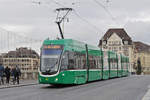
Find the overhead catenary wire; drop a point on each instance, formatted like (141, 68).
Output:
(100, 4)
(108, 12)
(14, 33)
(56, 2)
(86, 21)
(83, 19)
(53, 1)
(11, 40)
(79, 16)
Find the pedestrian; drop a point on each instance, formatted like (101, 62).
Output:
(13, 73)
(16, 73)
(1, 74)
(7, 73)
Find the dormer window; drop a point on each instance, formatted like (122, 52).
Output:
(104, 42)
(109, 42)
(126, 42)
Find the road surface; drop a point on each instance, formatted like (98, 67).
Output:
(126, 88)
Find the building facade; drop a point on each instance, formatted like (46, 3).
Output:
(26, 59)
(118, 40)
(1, 60)
(142, 53)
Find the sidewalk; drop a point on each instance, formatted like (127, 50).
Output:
(147, 95)
(22, 83)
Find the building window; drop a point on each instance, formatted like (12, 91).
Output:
(125, 42)
(115, 48)
(109, 48)
(104, 42)
(105, 47)
(119, 48)
(116, 42)
(125, 48)
(109, 42)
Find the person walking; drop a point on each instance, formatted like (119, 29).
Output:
(7, 73)
(1, 74)
(16, 73)
(13, 73)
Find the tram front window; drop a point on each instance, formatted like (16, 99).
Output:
(50, 60)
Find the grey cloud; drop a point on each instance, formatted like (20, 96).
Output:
(139, 31)
(41, 18)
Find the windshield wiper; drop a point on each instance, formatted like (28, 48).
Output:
(49, 69)
(55, 64)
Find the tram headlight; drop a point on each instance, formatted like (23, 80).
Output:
(56, 79)
(63, 74)
(46, 79)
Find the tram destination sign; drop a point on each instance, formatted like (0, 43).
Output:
(52, 46)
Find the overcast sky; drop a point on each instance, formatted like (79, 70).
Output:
(94, 18)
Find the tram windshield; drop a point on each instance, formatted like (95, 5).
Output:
(50, 56)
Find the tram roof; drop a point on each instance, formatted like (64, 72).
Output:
(73, 45)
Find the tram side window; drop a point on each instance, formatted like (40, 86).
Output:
(71, 62)
(98, 62)
(115, 63)
(79, 60)
(82, 61)
(95, 62)
(128, 65)
(92, 62)
(64, 62)
(100, 59)
(112, 63)
(124, 65)
(76, 60)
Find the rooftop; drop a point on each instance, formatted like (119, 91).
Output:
(141, 47)
(22, 52)
(120, 32)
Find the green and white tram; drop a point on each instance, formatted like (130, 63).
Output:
(68, 61)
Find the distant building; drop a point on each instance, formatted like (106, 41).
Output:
(142, 53)
(1, 57)
(1, 60)
(26, 59)
(119, 41)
